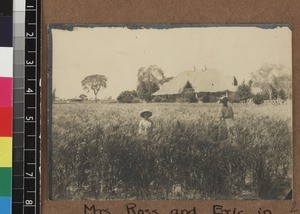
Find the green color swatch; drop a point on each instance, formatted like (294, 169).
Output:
(5, 181)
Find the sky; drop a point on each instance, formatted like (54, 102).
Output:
(118, 53)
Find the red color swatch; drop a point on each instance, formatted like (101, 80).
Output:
(5, 121)
(6, 91)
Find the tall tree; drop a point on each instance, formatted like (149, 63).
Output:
(95, 83)
(264, 78)
(149, 81)
(153, 73)
(273, 80)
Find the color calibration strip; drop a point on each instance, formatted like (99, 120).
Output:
(6, 104)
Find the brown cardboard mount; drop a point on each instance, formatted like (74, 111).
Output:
(169, 12)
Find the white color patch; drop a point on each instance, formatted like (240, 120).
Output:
(19, 5)
(6, 62)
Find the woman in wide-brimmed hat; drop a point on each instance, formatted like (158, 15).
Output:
(145, 125)
(227, 115)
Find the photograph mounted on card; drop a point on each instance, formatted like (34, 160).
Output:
(170, 112)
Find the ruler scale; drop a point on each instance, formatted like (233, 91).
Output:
(26, 115)
(18, 115)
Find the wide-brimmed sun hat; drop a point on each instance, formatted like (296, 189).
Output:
(223, 99)
(146, 112)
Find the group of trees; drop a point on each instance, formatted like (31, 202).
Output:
(149, 80)
(273, 82)
(90, 83)
(271, 79)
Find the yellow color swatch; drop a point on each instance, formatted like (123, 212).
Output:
(5, 152)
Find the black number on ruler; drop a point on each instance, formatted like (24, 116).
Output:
(29, 174)
(30, 58)
(29, 118)
(29, 62)
(29, 167)
(29, 198)
(29, 90)
(30, 31)
(31, 34)
(29, 115)
(28, 202)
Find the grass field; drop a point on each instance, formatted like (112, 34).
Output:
(98, 154)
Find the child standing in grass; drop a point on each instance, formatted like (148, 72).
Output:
(227, 115)
(145, 125)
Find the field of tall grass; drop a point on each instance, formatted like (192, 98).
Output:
(98, 154)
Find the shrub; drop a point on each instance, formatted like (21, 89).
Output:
(214, 99)
(159, 99)
(243, 92)
(258, 99)
(206, 98)
(136, 100)
(210, 98)
(282, 95)
(127, 97)
(233, 98)
(188, 96)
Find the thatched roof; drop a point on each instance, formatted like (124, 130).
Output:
(209, 80)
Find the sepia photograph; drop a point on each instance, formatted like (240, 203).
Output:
(170, 112)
